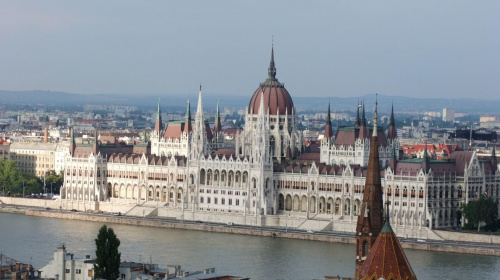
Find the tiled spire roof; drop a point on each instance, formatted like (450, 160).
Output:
(370, 221)
(386, 259)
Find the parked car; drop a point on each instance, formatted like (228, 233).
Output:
(420, 240)
(230, 224)
(199, 222)
(117, 213)
(309, 231)
(74, 210)
(48, 208)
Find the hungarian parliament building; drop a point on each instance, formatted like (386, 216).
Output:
(266, 175)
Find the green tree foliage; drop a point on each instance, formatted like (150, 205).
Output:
(482, 210)
(107, 256)
(12, 179)
(55, 180)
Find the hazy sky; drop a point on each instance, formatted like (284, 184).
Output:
(322, 48)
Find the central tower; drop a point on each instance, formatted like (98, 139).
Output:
(284, 139)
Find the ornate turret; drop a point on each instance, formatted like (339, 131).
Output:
(358, 121)
(363, 132)
(425, 162)
(187, 124)
(217, 125)
(371, 219)
(159, 123)
(95, 146)
(391, 132)
(199, 138)
(386, 259)
(328, 127)
(394, 158)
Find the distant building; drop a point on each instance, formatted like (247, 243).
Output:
(271, 174)
(448, 114)
(33, 157)
(4, 149)
(15, 270)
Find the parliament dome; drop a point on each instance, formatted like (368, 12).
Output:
(277, 100)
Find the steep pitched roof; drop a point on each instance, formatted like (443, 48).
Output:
(386, 259)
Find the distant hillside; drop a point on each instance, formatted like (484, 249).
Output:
(319, 104)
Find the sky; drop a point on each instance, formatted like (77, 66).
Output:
(322, 48)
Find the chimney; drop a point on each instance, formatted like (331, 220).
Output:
(45, 135)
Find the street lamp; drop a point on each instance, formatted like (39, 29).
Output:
(23, 189)
(51, 193)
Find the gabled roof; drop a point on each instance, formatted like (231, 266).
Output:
(462, 159)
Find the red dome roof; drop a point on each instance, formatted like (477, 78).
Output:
(277, 100)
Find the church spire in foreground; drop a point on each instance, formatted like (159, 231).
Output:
(370, 220)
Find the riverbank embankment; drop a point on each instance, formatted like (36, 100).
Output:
(463, 247)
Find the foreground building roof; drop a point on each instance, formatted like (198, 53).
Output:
(386, 259)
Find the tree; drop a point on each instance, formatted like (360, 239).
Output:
(107, 264)
(482, 210)
(12, 178)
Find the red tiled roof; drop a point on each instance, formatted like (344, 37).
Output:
(277, 100)
(386, 259)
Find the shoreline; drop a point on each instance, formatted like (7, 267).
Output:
(486, 249)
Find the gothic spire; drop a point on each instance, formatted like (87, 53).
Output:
(358, 121)
(217, 125)
(391, 121)
(369, 225)
(199, 109)
(187, 124)
(272, 69)
(159, 123)
(328, 127)
(363, 119)
(375, 117)
(391, 132)
(188, 110)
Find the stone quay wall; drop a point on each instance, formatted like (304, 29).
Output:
(235, 230)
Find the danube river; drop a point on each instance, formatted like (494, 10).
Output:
(34, 239)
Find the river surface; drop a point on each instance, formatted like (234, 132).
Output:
(34, 239)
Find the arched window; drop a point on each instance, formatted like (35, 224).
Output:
(365, 249)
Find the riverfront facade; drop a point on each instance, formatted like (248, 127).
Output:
(267, 173)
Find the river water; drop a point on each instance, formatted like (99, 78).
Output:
(34, 239)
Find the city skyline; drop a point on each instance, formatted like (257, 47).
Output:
(430, 49)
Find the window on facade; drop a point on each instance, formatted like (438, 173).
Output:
(365, 248)
(90, 273)
(78, 271)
